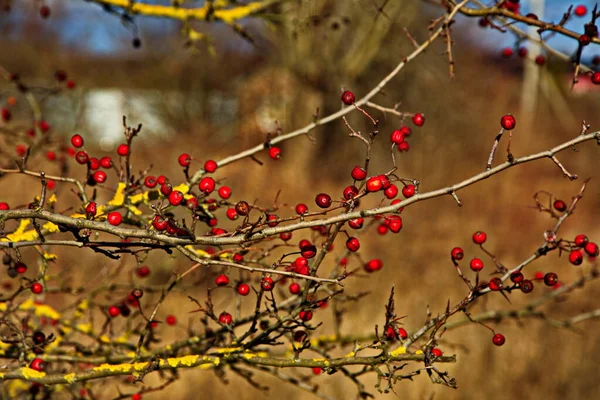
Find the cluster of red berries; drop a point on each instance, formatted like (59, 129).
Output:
(582, 246)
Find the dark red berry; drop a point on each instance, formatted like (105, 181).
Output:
(526, 286)
(242, 208)
(323, 200)
(142, 271)
(550, 279)
(540, 60)
(44, 12)
(82, 157)
(592, 249)
(348, 98)
(356, 223)
(267, 284)
(517, 277)
(352, 244)
(91, 209)
(38, 337)
(498, 339)
(560, 205)
(305, 315)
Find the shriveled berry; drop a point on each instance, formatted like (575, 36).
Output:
(508, 122)
(242, 208)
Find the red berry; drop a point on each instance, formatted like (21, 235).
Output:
(317, 371)
(267, 284)
(580, 10)
(457, 253)
(114, 218)
(231, 214)
(404, 146)
(382, 229)
(4, 206)
(350, 192)
(479, 237)
(210, 166)
(560, 205)
(100, 176)
(540, 60)
(37, 288)
(225, 318)
(159, 223)
(21, 267)
(106, 162)
(272, 220)
(584, 40)
(44, 12)
(285, 236)
(385, 182)
(94, 163)
(592, 249)
(476, 264)
(418, 119)
(301, 209)
(295, 288)
(308, 251)
(150, 181)
(358, 173)
(50, 155)
(507, 52)
(6, 114)
(498, 339)
(91, 209)
(123, 150)
(37, 364)
(207, 185)
(175, 198)
(397, 137)
(323, 200)
(225, 192)
(596, 78)
(136, 396)
(517, 277)
(374, 265)
(44, 126)
(82, 157)
(391, 191)
(305, 315)
(374, 184)
(408, 191)
(184, 160)
(38, 337)
(495, 284)
(526, 286)
(77, 141)
(356, 223)
(166, 189)
(437, 352)
(161, 180)
(142, 271)
(275, 153)
(21, 149)
(348, 98)
(550, 279)
(243, 289)
(402, 333)
(170, 320)
(114, 311)
(523, 52)
(71, 84)
(508, 122)
(353, 244)
(395, 223)
(576, 257)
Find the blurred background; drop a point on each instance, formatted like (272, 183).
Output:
(213, 105)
